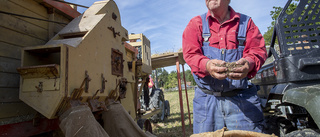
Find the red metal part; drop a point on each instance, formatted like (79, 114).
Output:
(180, 96)
(131, 48)
(65, 8)
(185, 88)
(27, 128)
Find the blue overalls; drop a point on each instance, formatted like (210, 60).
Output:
(212, 112)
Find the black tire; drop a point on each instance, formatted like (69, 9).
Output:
(303, 133)
(167, 108)
(156, 98)
(157, 102)
(145, 125)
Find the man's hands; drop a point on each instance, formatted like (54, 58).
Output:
(217, 70)
(240, 72)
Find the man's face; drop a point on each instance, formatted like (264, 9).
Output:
(214, 5)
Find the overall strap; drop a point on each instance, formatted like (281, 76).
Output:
(244, 19)
(205, 29)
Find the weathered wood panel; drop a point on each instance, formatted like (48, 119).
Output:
(11, 7)
(15, 109)
(33, 6)
(24, 27)
(16, 38)
(9, 95)
(8, 65)
(9, 80)
(59, 18)
(11, 51)
(15, 34)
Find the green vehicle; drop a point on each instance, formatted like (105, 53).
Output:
(290, 84)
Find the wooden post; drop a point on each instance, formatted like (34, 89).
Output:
(185, 88)
(180, 96)
(51, 24)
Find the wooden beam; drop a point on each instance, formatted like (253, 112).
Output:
(11, 37)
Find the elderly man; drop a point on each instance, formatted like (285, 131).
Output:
(224, 96)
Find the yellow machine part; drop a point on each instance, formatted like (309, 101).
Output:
(86, 60)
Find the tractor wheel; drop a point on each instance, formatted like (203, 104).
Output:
(303, 133)
(157, 102)
(167, 108)
(145, 125)
(156, 98)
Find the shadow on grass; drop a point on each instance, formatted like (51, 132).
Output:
(176, 131)
(177, 117)
(172, 127)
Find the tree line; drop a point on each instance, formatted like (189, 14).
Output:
(168, 80)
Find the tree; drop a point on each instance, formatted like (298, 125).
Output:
(274, 15)
(172, 80)
(189, 77)
(162, 76)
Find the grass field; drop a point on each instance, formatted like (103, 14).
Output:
(172, 126)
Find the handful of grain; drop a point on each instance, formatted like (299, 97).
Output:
(229, 66)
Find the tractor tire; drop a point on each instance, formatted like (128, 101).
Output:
(156, 99)
(157, 102)
(167, 108)
(303, 133)
(145, 125)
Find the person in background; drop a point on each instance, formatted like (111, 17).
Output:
(146, 93)
(224, 96)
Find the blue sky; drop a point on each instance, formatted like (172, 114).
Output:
(163, 21)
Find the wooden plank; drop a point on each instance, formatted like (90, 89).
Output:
(8, 6)
(32, 6)
(11, 51)
(24, 27)
(9, 80)
(9, 95)
(9, 65)
(40, 71)
(60, 18)
(57, 28)
(15, 109)
(16, 38)
(29, 85)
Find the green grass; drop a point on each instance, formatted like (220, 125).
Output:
(172, 126)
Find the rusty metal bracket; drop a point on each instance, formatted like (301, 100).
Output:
(117, 62)
(39, 87)
(97, 105)
(114, 32)
(123, 88)
(103, 83)
(86, 80)
(121, 93)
